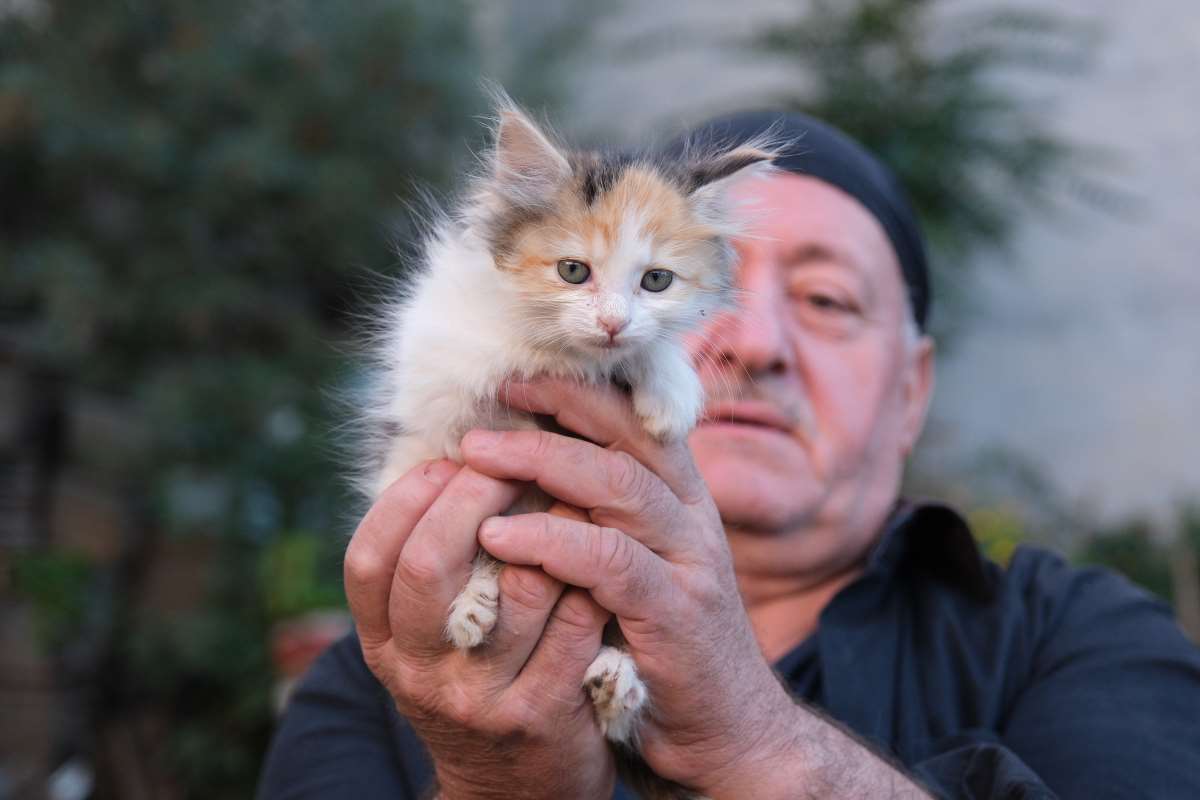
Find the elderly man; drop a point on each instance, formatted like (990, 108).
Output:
(803, 631)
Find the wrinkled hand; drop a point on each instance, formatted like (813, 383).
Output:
(653, 552)
(509, 718)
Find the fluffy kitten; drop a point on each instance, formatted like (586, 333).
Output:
(560, 263)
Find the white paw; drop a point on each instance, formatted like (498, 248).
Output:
(668, 417)
(617, 693)
(473, 612)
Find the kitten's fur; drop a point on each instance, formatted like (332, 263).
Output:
(489, 303)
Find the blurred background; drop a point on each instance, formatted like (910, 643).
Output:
(199, 203)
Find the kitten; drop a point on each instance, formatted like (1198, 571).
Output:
(556, 263)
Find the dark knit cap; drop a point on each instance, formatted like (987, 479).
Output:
(818, 149)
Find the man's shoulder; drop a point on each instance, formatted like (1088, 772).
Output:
(1040, 611)
(1047, 583)
(341, 667)
(341, 736)
(339, 678)
(1069, 609)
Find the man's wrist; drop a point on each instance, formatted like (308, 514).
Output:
(806, 752)
(770, 763)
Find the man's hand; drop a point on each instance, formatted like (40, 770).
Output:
(509, 718)
(653, 552)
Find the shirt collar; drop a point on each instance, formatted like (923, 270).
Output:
(934, 538)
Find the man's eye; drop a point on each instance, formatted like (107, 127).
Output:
(825, 302)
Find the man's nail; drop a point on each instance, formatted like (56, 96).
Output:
(439, 471)
(493, 528)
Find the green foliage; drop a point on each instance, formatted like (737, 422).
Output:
(998, 530)
(1189, 525)
(926, 90)
(205, 188)
(1137, 549)
(1134, 548)
(1131, 549)
(299, 572)
(57, 583)
(196, 199)
(209, 674)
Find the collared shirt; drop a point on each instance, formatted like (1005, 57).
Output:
(1039, 680)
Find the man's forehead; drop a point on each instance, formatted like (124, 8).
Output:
(803, 220)
(805, 251)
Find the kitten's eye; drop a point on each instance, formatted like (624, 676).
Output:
(573, 271)
(655, 280)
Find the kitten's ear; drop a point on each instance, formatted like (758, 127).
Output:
(527, 167)
(729, 165)
(710, 177)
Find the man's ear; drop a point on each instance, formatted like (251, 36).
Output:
(526, 165)
(918, 392)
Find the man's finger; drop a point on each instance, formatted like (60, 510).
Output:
(604, 414)
(527, 597)
(436, 560)
(371, 556)
(613, 487)
(622, 574)
(553, 675)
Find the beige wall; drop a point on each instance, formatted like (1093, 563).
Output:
(1087, 359)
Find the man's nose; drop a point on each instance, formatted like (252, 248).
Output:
(755, 334)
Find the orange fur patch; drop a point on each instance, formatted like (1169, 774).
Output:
(590, 232)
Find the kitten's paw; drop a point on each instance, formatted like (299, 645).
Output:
(667, 418)
(617, 693)
(472, 615)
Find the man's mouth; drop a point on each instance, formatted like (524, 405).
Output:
(753, 413)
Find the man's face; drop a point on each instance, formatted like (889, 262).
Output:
(817, 390)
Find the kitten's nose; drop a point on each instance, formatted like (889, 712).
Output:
(612, 326)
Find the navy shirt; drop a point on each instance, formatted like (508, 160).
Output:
(1040, 680)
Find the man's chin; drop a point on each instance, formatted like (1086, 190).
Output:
(759, 480)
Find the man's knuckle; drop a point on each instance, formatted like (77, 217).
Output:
(616, 551)
(378, 660)
(421, 570)
(475, 487)
(546, 526)
(576, 615)
(623, 564)
(521, 719)
(626, 476)
(415, 690)
(542, 445)
(461, 709)
(525, 587)
(361, 565)
(707, 593)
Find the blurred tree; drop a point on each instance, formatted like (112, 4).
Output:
(1164, 561)
(925, 88)
(1185, 569)
(193, 199)
(999, 531)
(1131, 548)
(195, 193)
